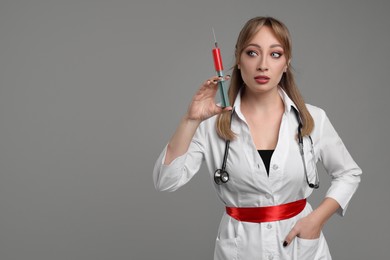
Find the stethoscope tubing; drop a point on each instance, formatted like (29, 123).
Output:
(222, 176)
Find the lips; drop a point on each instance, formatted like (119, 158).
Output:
(262, 79)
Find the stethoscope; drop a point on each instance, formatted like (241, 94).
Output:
(222, 176)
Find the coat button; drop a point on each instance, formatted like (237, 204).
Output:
(275, 167)
(269, 226)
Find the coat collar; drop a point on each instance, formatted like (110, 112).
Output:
(288, 103)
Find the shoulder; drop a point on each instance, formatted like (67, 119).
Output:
(207, 126)
(317, 113)
(319, 116)
(209, 122)
(206, 133)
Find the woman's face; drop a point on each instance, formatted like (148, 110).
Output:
(262, 62)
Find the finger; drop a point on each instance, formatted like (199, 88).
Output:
(214, 79)
(219, 109)
(226, 109)
(211, 83)
(293, 233)
(217, 79)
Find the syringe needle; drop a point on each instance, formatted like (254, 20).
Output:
(215, 39)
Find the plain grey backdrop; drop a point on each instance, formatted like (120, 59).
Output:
(91, 91)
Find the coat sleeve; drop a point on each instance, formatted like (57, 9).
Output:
(183, 168)
(338, 163)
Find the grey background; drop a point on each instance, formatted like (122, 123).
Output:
(91, 91)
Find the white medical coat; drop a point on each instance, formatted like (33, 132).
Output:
(249, 185)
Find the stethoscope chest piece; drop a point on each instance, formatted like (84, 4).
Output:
(221, 176)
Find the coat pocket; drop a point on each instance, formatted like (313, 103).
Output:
(225, 249)
(307, 248)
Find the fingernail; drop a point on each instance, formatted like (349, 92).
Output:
(285, 243)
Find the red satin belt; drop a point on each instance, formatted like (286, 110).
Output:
(267, 214)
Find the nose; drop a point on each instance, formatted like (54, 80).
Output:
(262, 65)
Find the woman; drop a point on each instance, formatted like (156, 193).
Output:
(267, 216)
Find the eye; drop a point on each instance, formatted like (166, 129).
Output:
(251, 53)
(276, 55)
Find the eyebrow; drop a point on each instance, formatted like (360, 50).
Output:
(258, 46)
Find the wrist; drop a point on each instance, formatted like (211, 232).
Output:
(319, 219)
(326, 209)
(190, 121)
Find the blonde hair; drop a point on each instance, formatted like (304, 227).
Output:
(287, 82)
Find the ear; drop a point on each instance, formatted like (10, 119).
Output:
(238, 66)
(288, 64)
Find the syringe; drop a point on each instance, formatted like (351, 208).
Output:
(219, 69)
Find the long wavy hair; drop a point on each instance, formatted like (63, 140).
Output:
(287, 82)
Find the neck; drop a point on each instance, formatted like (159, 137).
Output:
(263, 102)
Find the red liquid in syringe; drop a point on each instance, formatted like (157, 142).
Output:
(218, 60)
